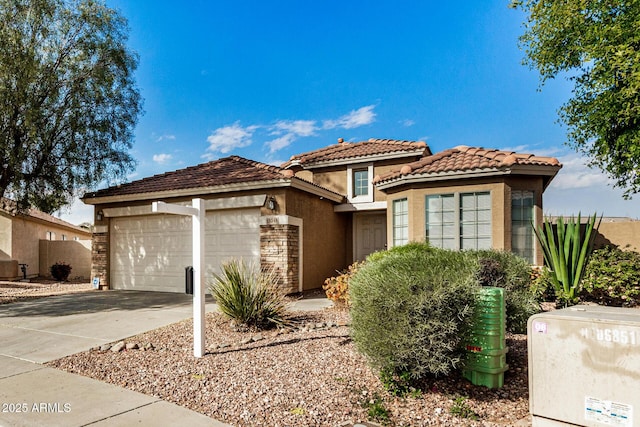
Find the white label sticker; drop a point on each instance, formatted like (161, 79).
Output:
(540, 327)
(607, 412)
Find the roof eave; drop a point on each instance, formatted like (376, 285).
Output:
(545, 171)
(226, 188)
(359, 159)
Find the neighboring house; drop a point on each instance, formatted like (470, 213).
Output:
(320, 211)
(35, 239)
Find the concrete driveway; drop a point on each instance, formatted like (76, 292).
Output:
(37, 331)
(49, 328)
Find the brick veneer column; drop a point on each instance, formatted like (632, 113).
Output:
(279, 250)
(99, 261)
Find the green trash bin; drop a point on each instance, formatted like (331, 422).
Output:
(486, 360)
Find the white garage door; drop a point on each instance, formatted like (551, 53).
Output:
(151, 252)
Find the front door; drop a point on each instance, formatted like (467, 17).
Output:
(370, 233)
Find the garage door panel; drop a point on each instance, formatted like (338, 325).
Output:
(151, 252)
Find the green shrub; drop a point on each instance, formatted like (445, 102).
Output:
(612, 277)
(60, 271)
(248, 295)
(411, 307)
(513, 273)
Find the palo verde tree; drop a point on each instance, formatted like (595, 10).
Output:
(68, 99)
(596, 44)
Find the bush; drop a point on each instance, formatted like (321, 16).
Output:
(337, 288)
(248, 295)
(60, 271)
(411, 308)
(513, 273)
(612, 278)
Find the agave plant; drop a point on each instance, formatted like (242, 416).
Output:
(566, 253)
(250, 296)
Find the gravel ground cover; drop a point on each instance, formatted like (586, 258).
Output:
(20, 291)
(308, 377)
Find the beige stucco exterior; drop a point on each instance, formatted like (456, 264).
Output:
(20, 237)
(500, 189)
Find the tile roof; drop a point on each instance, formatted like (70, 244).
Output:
(225, 171)
(467, 159)
(9, 207)
(346, 150)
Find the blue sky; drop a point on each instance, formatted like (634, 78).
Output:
(269, 79)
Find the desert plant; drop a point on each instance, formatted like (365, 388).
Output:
(411, 309)
(566, 253)
(248, 295)
(461, 409)
(60, 271)
(612, 277)
(513, 273)
(337, 288)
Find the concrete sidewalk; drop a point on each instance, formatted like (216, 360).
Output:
(38, 331)
(41, 330)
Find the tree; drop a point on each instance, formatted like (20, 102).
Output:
(68, 100)
(595, 44)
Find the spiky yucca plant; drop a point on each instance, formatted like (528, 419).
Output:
(566, 253)
(248, 295)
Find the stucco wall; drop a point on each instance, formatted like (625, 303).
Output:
(623, 233)
(500, 189)
(5, 237)
(75, 253)
(324, 236)
(26, 235)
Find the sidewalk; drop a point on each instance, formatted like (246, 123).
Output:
(34, 332)
(35, 395)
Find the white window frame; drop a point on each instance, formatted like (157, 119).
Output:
(534, 248)
(457, 225)
(366, 198)
(395, 240)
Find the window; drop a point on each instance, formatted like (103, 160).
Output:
(441, 221)
(459, 220)
(51, 235)
(360, 182)
(522, 214)
(400, 222)
(475, 221)
(64, 237)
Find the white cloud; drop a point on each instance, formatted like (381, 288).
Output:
(162, 158)
(280, 143)
(360, 117)
(166, 137)
(228, 138)
(296, 127)
(576, 174)
(407, 122)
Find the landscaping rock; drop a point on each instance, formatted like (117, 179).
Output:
(131, 346)
(118, 347)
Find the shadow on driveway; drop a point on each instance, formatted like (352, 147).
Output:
(97, 301)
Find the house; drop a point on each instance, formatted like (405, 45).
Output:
(320, 211)
(37, 240)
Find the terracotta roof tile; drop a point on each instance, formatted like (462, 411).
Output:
(467, 159)
(9, 206)
(354, 150)
(225, 171)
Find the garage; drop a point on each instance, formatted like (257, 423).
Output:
(150, 252)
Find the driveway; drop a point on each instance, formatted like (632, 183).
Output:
(49, 328)
(37, 331)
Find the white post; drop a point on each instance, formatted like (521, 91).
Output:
(198, 278)
(198, 213)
